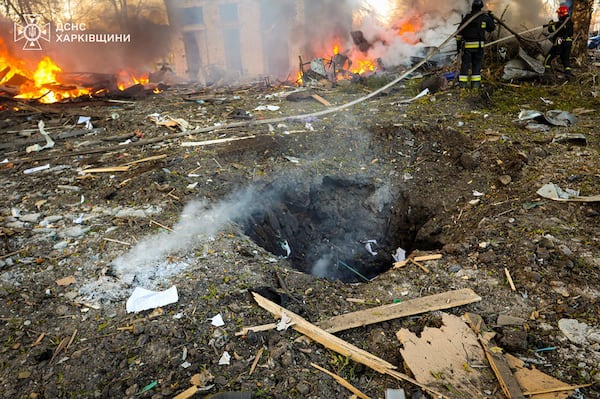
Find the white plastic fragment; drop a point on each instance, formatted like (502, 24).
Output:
(286, 247)
(225, 359)
(217, 320)
(36, 169)
(267, 108)
(369, 246)
(284, 323)
(49, 141)
(400, 255)
(143, 299)
(85, 120)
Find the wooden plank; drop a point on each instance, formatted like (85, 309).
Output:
(107, 169)
(508, 383)
(558, 389)
(147, 159)
(324, 338)
(321, 100)
(340, 346)
(417, 259)
(392, 311)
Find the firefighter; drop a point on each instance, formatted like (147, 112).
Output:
(562, 40)
(471, 41)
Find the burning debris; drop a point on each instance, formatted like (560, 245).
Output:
(44, 81)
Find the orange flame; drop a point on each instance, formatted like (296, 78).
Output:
(362, 66)
(127, 79)
(409, 27)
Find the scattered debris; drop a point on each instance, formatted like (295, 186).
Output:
(342, 347)
(554, 192)
(573, 138)
(579, 333)
(36, 169)
(402, 263)
(552, 118)
(534, 382)
(509, 279)
(225, 359)
(66, 281)
(217, 320)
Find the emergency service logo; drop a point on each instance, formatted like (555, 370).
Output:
(32, 32)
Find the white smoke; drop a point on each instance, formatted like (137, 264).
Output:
(408, 28)
(198, 224)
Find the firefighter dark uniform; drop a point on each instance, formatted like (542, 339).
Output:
(471, 41)
(562, 40)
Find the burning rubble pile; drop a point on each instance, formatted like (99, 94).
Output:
(45, 81)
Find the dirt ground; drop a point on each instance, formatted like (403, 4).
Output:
(462, 178)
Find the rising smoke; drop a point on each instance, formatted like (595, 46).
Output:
(406, 30)
(198, 224)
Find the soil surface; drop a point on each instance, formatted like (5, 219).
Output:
(452, 173)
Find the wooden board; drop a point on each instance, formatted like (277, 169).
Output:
(442, 358)
(392, 311)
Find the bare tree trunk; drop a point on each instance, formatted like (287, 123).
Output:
(120, 7)
(582, 16)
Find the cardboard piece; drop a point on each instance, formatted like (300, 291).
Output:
(441, 358)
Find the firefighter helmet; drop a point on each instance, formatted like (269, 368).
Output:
(563, 11)
(477, 5)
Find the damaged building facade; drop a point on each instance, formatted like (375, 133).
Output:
(244, 39)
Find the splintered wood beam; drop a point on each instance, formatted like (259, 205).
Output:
(339, 345)
(508, 383)
(417, 259)
(107, 169)
(321, 100)
(324, 338)
(342, 382)
(392, 311)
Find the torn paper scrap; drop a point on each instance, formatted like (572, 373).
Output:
(143, 299)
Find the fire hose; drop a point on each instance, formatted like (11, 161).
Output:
(432, 52)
